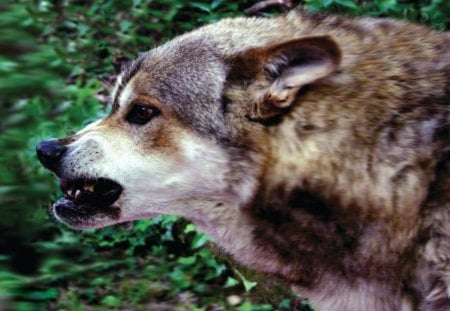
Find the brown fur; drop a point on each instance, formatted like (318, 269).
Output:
(349, 166)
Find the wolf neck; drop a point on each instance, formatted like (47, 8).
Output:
(282, 232)
(305, 248)
(229, 227)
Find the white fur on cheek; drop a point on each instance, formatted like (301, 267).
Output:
(206, 166)
(210, 171)
(166, 184)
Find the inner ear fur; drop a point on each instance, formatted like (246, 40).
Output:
(287, 67)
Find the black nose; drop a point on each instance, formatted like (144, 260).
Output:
(49, 152)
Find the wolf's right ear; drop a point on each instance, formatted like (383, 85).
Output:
(283, 69)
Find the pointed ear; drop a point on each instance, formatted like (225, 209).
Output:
(287, 67)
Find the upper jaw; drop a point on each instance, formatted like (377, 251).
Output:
(88, 202)
(91, 191)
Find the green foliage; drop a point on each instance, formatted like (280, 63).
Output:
(95, 39)
(436, 13)
(58, 59)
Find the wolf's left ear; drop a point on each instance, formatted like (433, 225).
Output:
(287, 67)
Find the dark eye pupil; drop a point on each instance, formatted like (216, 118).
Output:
(141, 114)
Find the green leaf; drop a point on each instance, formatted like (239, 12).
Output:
(199, 240)
(47, 294)
(202, 6)
(111, 301)
(220, 269)
(347, 3)
(125, 25)
(187, 260)
(216, 3)
(100, 281)
(189, 228)
(285, 304)
(246, 306)
(248, 285)
(142, 225)
(179, 279)
(231, 282)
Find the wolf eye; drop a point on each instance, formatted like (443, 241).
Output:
(141, 114)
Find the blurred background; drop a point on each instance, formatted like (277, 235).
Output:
(58, 62)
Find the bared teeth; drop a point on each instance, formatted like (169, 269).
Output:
(90, 192)
(76, 189)
(76, 192)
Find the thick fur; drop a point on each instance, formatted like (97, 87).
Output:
(311, 147)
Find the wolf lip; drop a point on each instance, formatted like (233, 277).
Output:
(101, 192)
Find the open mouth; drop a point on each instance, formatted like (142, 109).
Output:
(87, 200)
(99, 192)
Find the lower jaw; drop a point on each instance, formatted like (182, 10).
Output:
(84, 216)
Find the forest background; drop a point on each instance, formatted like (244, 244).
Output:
(58, 61)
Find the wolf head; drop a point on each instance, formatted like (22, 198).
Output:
(188, 127)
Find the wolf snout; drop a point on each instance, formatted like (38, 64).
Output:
(50, 152)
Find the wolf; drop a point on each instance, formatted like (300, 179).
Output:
(311, 147)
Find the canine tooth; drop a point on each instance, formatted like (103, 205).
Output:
(89, 188)
(77, 193)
